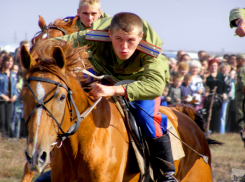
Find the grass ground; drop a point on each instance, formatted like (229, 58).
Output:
(224, 158)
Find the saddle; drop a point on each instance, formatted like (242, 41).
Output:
(127, 111)
(137, 140)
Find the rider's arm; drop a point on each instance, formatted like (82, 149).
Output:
(77, 38)
(153, 80)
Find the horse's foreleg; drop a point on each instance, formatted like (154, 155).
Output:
(28, 174)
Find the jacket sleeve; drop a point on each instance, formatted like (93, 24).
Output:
(152, 83)
(235, 14)
(77, 39)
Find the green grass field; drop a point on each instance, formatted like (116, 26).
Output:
(224, 158)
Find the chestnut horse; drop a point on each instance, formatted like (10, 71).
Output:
(56, 29)
(100, 149)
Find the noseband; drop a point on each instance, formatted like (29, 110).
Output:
(41, 104)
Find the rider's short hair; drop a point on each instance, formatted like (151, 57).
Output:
(126, 22)
(95, 3)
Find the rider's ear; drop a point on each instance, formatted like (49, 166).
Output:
(59, 57)
(26, 59)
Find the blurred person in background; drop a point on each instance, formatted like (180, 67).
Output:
(179, 54)
(183, 69)
(2, 54)
(216, 79)
(8, 93)
(232, 61)
(204, 73)
(172, 66)
(17, 56)
(204, 70)
(218, 59)
(17, 108)
(239, 95)
(237, 19)
(186, 92)
(225, 69)
(163, 97)
(226, 57)
(196, 83)
(174, 93)
(200, 54)
(185, 58)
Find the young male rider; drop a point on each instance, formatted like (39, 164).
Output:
(120, 52)
(87, 12)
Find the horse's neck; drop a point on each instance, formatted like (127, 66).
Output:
(79, 95)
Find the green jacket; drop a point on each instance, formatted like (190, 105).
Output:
(150, 73)
(82, 27)
(235, 14)
(240, 80)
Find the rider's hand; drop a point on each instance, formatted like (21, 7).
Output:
(106, 91)
(240, 31)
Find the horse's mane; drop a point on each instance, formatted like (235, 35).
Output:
(69, 26)
(191, 112)
(76, 58)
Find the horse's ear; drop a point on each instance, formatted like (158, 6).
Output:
(41, 22)
(59, 57)
(26, 59)
(74, 21)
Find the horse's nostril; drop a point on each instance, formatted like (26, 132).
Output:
(42, 158)
(28, 158)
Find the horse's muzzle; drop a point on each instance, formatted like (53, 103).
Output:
(38, 161)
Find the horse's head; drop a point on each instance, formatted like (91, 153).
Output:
(57, 29)
(47, 98)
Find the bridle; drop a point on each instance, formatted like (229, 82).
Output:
(46, 28)
(41, 104)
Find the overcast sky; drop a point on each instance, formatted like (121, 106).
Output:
(181, 24)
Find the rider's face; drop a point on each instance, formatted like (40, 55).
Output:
(88, 14)
(125, 43)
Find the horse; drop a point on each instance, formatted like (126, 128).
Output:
(99, 149)
(57, 29)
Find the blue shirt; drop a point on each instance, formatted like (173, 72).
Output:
(4, 80)
(163, 101)
(185, 90)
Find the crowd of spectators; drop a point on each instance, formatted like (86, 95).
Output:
(207, 84)
(191, 82)
(12, 125)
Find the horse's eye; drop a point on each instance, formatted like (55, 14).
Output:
(62, 97)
